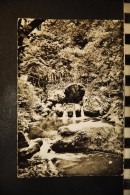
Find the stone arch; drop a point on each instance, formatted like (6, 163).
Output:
(74, 93)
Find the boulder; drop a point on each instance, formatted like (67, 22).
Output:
(22, 142)
(65, 131)
(95, 105)
(35, 130)
(28, 152)
(39, 141)
(115, 113)
(87, 136)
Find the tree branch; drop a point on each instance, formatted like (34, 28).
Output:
(24, 32)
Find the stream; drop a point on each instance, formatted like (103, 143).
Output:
(77, 164)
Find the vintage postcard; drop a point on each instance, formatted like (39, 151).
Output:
(70, 97)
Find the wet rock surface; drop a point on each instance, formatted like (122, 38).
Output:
(86, 136)
(88, 147)
(27, 152)
(22, 142)
(35, 131)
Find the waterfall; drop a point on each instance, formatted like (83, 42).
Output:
(82, 112)
(74, 114)
(65, 116)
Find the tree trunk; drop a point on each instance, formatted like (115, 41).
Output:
(24, 32)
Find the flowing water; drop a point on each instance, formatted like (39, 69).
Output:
(71, 164)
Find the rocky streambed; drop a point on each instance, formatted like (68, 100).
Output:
(75, 148)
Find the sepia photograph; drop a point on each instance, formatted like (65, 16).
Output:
(70, 116)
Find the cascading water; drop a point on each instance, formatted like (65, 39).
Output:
(74, 114)
(65, 116)
(82, 112)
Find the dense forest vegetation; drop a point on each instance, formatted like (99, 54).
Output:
(54, 53)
